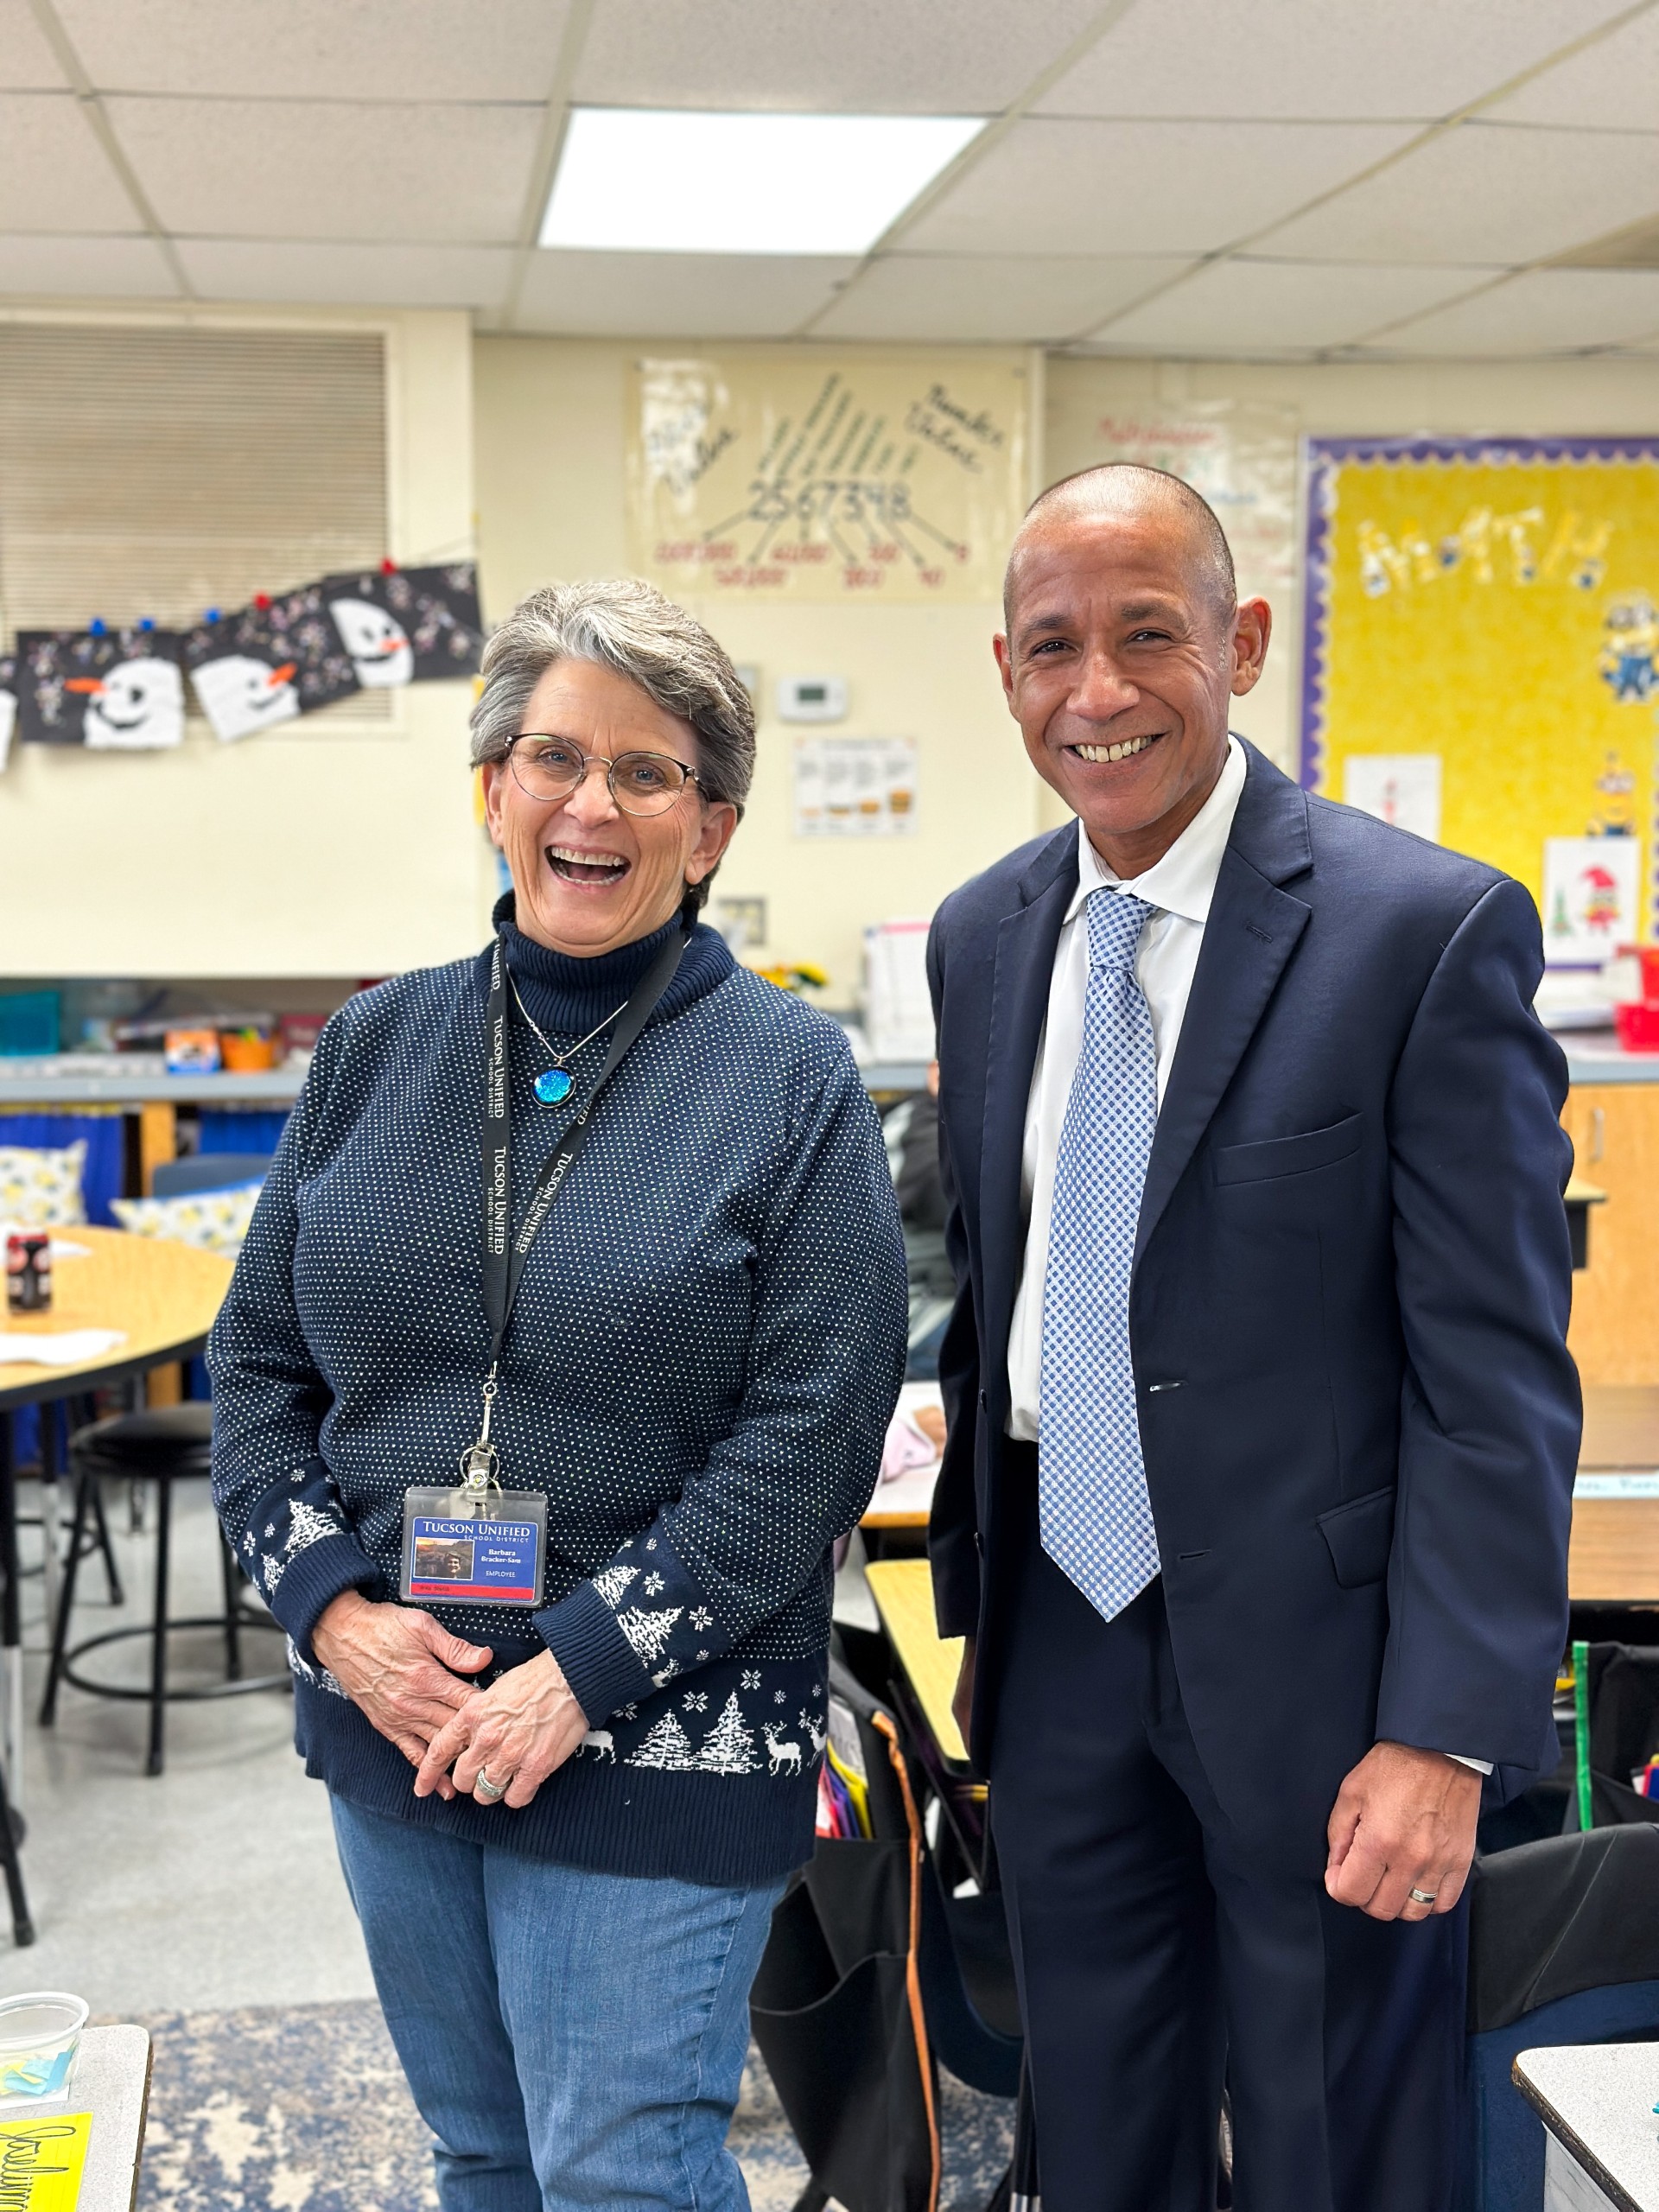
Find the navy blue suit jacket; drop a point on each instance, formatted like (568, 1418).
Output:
(1349, 1308)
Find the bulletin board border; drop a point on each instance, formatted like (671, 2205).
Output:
(1324, 456)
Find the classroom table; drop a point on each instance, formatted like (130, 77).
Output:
(110, 2085)
(1615, 1555)
(1602, 2145)
(164, 1295)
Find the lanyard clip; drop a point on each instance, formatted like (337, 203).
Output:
(480, 1462)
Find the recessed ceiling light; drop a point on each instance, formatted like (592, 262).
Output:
(678, 181)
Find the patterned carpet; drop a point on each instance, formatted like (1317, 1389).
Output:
(303, 2109)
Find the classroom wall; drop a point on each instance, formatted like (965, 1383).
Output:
(550, 503)
(1588, 396)
(326, 847)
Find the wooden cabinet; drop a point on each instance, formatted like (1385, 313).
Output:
(1615, 1132)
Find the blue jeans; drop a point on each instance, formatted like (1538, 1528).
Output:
(571, 2038)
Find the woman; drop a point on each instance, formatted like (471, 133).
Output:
(510, 1264)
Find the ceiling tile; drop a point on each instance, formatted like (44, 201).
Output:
(53, 174)
(348, 276)
(1142, 188)
(292, 169)
(944, 57)
(1256, 307)
(1314, 58)
(989, 298)
(675, 294)
(1483, 193)
(355, 49)
(26, 62)
(1543, 311)
(1611, 86)
(78, 267)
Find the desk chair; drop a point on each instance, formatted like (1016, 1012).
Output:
(1563, 1949)
(207, 1171)
(167, 1445)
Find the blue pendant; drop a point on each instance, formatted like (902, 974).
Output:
(553, 1086)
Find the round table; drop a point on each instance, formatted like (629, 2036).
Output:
(163, 1296)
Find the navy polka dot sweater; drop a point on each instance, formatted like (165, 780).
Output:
(707, 1344)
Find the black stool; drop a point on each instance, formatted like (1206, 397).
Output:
(163, 1446)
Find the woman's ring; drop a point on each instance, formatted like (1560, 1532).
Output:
(490, 1791)
(1417, 1896)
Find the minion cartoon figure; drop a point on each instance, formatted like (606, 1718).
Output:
(1629, 661)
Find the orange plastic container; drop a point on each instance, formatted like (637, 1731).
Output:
(247, 1051)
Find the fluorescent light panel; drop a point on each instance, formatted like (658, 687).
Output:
(680, 181)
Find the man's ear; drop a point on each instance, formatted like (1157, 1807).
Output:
(1004, 666)
(1252, 628)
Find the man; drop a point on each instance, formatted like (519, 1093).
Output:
(1254, 1510)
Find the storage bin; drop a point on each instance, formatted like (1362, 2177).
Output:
(28, 1024)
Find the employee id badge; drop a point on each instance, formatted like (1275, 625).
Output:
(464, 1548)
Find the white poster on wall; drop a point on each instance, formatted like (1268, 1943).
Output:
(855, 786)
(1592, 898)
(1241, 454)
(1403, 788)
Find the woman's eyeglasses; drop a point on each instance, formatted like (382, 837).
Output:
(552, 768)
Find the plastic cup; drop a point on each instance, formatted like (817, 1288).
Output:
(40, 2035)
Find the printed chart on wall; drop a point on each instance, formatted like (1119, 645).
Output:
(1482, 661)
(889, 476)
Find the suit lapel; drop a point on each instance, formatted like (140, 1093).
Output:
(1252, 931)
(1026, 943)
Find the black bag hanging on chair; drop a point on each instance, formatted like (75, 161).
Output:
(837, 2007)
(1616, 1697)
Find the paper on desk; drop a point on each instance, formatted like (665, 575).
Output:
(65, 1348)
(61, 1248)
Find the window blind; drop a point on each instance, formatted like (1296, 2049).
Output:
(162, 472)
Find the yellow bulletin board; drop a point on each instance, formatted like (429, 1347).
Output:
(845, 476)
(1481, 660)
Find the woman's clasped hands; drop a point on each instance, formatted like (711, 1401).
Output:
(406, 1672)
(512, 1735)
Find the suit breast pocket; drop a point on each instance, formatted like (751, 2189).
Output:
(1297, 1155)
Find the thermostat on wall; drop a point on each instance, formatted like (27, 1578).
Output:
(811, 698)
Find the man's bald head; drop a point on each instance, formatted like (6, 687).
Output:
(1128, 487)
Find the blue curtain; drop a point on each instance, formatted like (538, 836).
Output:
(230, 1128)
(100, 1181)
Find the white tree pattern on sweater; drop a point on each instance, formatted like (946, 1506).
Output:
(728, 1748)
(648, 1632)
(612, 1582)
(666, 1745)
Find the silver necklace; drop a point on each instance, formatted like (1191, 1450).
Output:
(555, 1085)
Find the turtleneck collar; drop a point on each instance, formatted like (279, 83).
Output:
(564, 994)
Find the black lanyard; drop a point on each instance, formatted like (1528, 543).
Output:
(504, 1253)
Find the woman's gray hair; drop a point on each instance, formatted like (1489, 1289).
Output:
(627, 625)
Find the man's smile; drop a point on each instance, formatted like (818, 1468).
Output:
(1124, 749)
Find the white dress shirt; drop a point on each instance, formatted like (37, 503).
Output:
(1179, 888)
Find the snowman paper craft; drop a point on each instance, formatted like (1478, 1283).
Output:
(408, 625)
(268, 663)
(113, 691)
(377, 642)
(240, 696)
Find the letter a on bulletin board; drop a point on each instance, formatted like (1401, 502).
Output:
(1481, 661)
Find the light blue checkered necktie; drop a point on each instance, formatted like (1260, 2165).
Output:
(1093, 1510)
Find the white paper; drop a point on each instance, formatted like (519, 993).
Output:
(1637, 1483)
(855, 787)
(68, 1348)
(1402, 788)
(1592, 898)
(898, 1008)
(8, 723)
